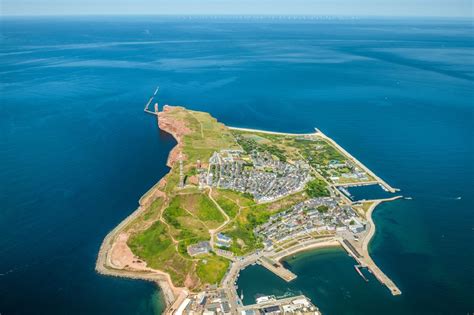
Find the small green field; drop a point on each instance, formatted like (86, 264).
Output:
(317, 188)
(212, 268)
(207, 136)
(151, 214)
(196, 205)
(191, 216)
(156, 248)
(228, 205)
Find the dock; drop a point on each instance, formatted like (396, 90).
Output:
(277, 268)
(350, 249)
(365, 261)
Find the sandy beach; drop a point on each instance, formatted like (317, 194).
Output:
(300, 248)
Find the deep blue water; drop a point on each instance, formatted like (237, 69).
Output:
(77, 151)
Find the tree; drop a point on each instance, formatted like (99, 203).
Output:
(317, 188)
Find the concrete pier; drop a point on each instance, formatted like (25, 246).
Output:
(365, 261)
(277, 268)
(147, 105)
(155, 113)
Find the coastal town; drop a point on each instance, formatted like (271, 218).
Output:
(237, 197)
(315, 217)
(259, 174)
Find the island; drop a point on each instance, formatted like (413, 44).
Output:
(234, 197)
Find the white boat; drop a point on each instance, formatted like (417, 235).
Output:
(264, 299)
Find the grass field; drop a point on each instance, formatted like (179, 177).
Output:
(207, 136)
(230, 207)
(212, 268)
(156, 248)
(317, 188)
(151, 214)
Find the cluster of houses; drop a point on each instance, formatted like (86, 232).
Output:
(309, 217)
(213, 301)
(259, 174)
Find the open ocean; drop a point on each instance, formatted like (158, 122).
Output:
(77, 151)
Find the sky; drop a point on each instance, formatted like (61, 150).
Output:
(443, 8)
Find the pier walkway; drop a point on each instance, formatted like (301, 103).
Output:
(277, 268)
(365, 261)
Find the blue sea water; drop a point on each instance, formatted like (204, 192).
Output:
(77, 150)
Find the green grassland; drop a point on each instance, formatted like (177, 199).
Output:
(212, 268)
(197, 206)
(148, 216)
(207, 136)
(229, 206)
(156, 248)
(317, 188)
(262, 142)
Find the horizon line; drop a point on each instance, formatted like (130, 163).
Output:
(299, 15)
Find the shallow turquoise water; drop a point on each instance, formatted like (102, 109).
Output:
(77, 151)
